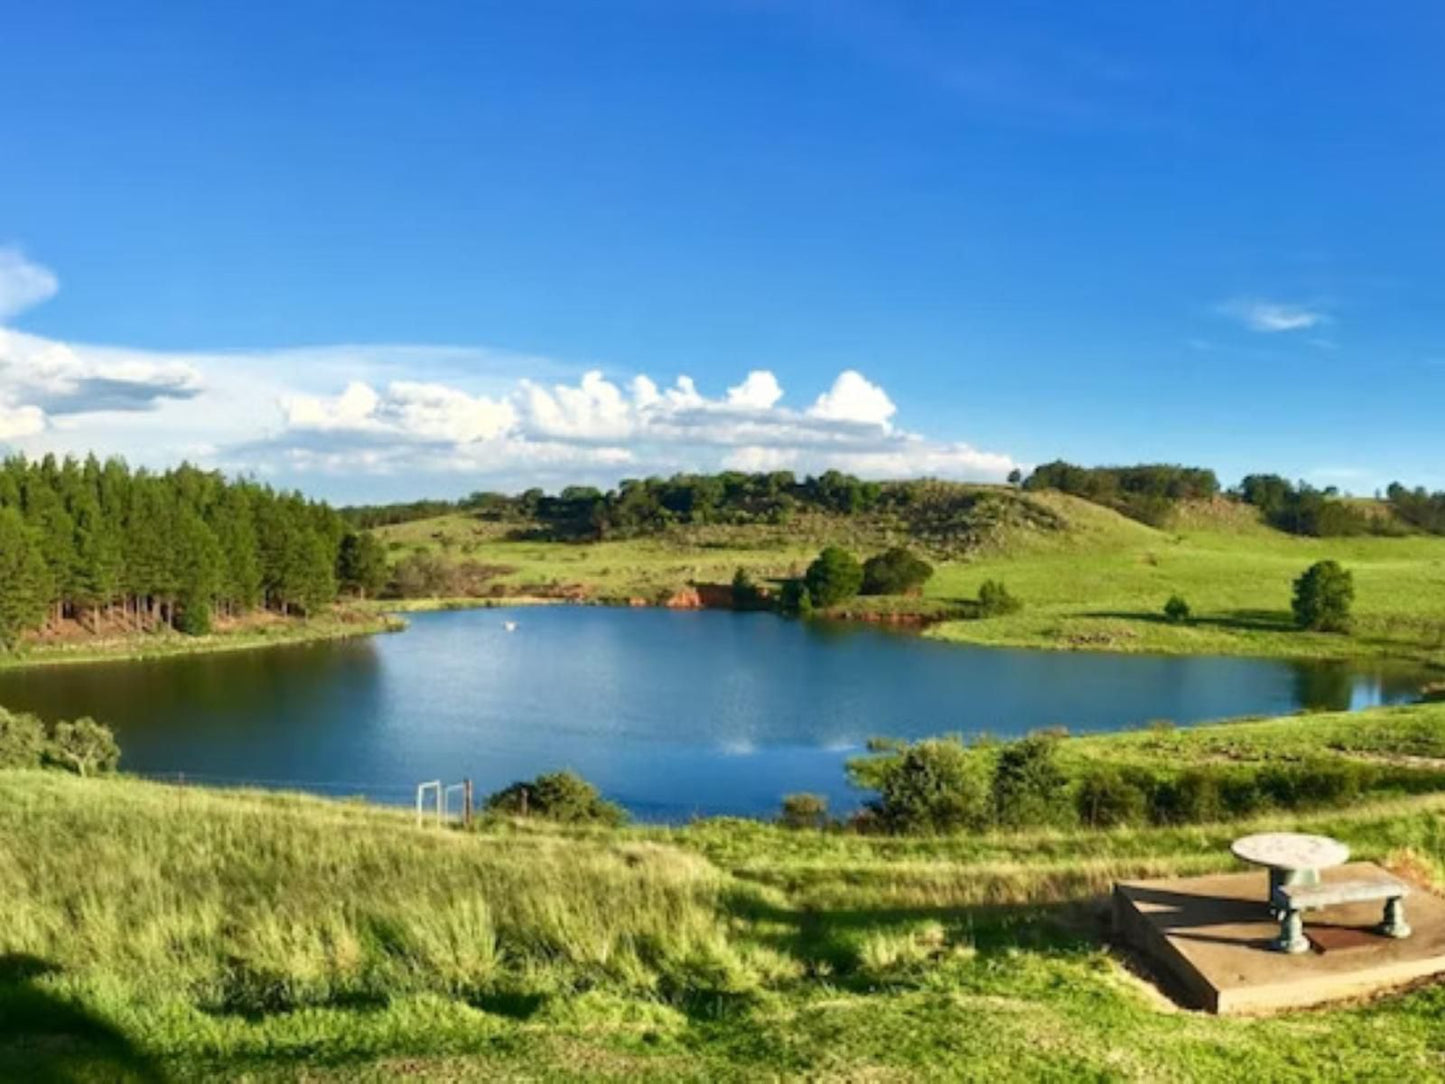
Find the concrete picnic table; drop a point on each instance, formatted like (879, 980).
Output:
(1291, 858)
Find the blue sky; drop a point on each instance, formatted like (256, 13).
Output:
(386, 250)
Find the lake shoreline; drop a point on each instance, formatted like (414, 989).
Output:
(945, 625)
(141, 647)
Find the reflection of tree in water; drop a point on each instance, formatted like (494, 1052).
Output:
(1323, 686)
(49, 1039)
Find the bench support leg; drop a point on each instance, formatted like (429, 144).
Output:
(1394, 924)
(1292, 937)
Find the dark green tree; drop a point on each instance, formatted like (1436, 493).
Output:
(895, 572)
(834, 577)
(1323, 596)
(25, 583)
(361, 565)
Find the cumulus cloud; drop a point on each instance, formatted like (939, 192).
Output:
(596, 424)
(417, 412)
(853, 399)
(1272, 316)
(23, 283)
(760, 390)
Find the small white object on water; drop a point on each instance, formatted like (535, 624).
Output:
(510, 626)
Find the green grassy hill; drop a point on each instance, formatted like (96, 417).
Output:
(1091, 579)
(158, 933)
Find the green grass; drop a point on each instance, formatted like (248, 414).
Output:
(1100, 583)
(341, 622)
(170, 933)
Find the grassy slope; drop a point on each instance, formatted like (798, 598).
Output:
(342, 621)
(1101, 584)
(197, 933)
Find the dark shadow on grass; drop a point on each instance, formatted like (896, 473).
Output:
(48, 1039)
(1239, 620)
(828, 941)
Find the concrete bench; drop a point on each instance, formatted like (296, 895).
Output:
(1290, 901)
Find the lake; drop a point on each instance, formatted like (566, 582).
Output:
(670, 713)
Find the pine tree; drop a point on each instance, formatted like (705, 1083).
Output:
(361, 564)
(25, 586)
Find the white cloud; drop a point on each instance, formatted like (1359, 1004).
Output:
(756, 459)
(853, 399)
(1272, 316)
(23, 283)
(759, 391)
(415, 412)
(21, 421)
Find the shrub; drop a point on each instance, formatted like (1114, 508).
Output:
(1177, 610)
(22, 740)
(834, 577)
(994, 600)
(795, 599)
(195, 618)
(895, 572)
(559, 796)
(1029, 789)
(1106, 799)
(1191, 798)
(804, 811)
(1323, 596)
(746, 593)
(83, 746)
(929, 786)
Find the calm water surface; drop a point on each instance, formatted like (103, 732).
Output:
(670, 713)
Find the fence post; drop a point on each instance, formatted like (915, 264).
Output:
(466, 803)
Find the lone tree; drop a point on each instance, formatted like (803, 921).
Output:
(84, 746)
(994, 600)
(834, 577)
(557, 796)
(895, 572)
(1323, 596)
(1176, 610)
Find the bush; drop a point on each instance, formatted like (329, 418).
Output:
(195, 618)
(746, 594)
(84, 747)
(1106, 799)
(1323, 597)
(804, 811)
(22, 740)
(795, 599)
(929, 786)
(559, 796)
(1177, 610)
(994, 600)
(1192, 798)
(895, 572)
(1029, 789)
(834, 577)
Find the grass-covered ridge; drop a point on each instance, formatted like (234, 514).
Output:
(190, 933)
(1090, 578)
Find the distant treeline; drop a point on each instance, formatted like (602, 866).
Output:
(944, 517)
(641, 506)
(1150, 493)
(1147, 492)
(119, 549)
(1415, 506)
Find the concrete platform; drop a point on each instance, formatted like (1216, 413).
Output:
(1211, 935)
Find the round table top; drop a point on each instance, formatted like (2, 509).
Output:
(1290, 850)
